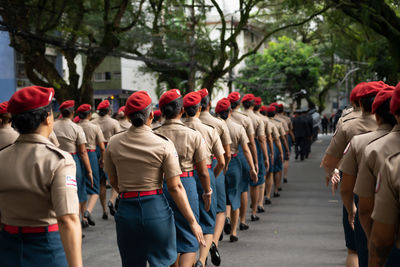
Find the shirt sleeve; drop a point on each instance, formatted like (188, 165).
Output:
(117, 127)
(338, 144)
(170, 165)
(366, 180)
(217, 148)
(81, 136)
(348, 164)
(63, 190)
(225, 135)
(249, 127)
(260, 128)
(53, 139)
(100, 136)
(109, 165)
(243, 139)
(200, 148)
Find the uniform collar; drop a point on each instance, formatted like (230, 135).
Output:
(143, 128)
(192, 119)
(33, 138)
(65, 119)
(385, 127)
(173, 121)
(366, 114)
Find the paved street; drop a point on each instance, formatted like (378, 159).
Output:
(301, 228)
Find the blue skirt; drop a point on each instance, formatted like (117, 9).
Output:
(31, 250)
(185, 240)
(207, 218)
(278, 164)
(102, 174)
(245, 172)
(232, 182)
(220, 188)
(290, 142)
(261, 166)
(94, 163)
(146, 231)
(80, 178)
(271, 166)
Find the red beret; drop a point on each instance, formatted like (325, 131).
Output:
(3, 107)
(271, 109)
(263, 108)
(203, 92)
(191, 99)
(234, 96)
(169, 96)
(67, 104)
(222, 105)
(354, 92)
(76, 119)
(121, 109)
(137, 102)
(248, 97)
(257, 101)
(103, 104)
(381, 97)
(29, 98)
(274, 104)
(395, 102)
(280, 105)
(370, 89)
(84, 108)
(157, 113)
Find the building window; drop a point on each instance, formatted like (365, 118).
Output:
(99, 77)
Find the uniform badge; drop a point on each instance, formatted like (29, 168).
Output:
(378, 184)
(70, 181)
(346, 149)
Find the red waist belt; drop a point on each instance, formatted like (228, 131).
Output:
(234, 155)
(91, 150)
(209, 166)
(73, 153)
(187, 174)
(140, 193)
(30, 230)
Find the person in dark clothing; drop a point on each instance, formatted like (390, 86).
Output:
(324, 124)
(310, 132)
(336, 119)
(301, 132)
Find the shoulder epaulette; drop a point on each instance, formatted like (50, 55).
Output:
(208, 125)
(243, 113)
(59, 152)
(349, 119)
(162, 136)
(158, 127)
(6, 146)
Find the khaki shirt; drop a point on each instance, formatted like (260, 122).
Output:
(189, 143)
(243, 120)
(210, 134)
(93, 134)
(285, 123)
(42, 187)
(7, 136)
(155, 124)
(267, 124)
(274, 130)
(350, 115)
(258, 123)
(69, 134)
(53, 139)
(374, 157)
(279, 126)
(238, 135)
(354, 152)
(124, 124)
(288, 121)
(219, 124)
(387, 196)
(363, 124)
(139, 158)
(108, 125)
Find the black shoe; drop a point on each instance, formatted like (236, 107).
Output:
(221, 236)
(285, 180)
(233, 238)
(89, 218)
(215, 256)
(277, 195)
(254, 218)
(243, 227)
(105, 216)
(198, 264)
(267, 201)
(227, 226)
(260, 209)
(279, 188)
(111, 208)
(85, 224)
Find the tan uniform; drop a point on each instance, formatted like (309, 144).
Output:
(258, 123)
(284, 122)
(53, 139)
(189, 143)
(93, 134)
(387, 202)
(210, 135)
(374, 157)
(69, 134)
(7, 136)
(352, 114)
(219, 125)
(108, 125)
(238, 135)
(124, 124)
(243, 120)
(139, 165)
(155, 124)
(365, 123)
(354, 152)
(267, 124)
(288, 121)
(279, 126)
(42, 188)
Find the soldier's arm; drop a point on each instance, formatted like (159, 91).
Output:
(365, 209)
(381, 243)
(346, 191)
(85, 160)
(253, 150)
(227, 156)
(71, 237)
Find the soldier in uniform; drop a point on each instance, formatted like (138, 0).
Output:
(350, 163)
(243, 120)
(109, 127)
(233, 174)
(123, 119)
(223, 132)
(136, 169)
(7, 134)
(191, 104)
(73, 140)
(94, 137)
(354, 111)
(192, 151)
(262, 155)
(39, 205)
(365, 123)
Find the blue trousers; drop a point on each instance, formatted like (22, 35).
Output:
(31, 250)
(220, 188)
(232, 182)
(245, 172)
(146, 231)
(80, 179)
(94, 163)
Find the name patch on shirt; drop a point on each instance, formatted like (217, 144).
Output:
(70, 181)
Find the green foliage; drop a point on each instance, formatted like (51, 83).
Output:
(286, 66)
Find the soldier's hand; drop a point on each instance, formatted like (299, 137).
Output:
(207, 201)
(335, 180)
(90, 177)
(256, 168)
(198, 233)
(253, 175)
(266, 162)
(271, 156)
(101, 163)
(282, 158)
(352, 216)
